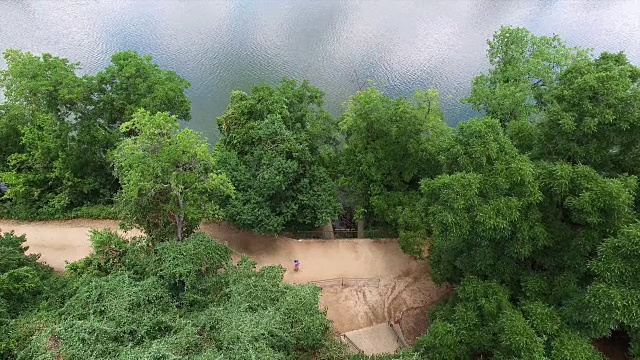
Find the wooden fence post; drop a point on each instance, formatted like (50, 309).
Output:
(361, 224)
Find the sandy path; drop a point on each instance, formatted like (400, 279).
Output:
(59, 241)
(319, 259)
(405, 289)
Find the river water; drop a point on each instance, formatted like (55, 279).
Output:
(338, 45)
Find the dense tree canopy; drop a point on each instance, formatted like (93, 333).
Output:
(174, 300)
(481, 321)
(170, 181)
(276, 148)
(58, 127)
(43, 97)
(483, 210)
(133, 82)
(22, 283)
(594, 116)
(524, 68)
(389, 146)
(10, 136)
(536, 219)
(613, 299)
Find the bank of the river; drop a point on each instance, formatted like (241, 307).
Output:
(404, 288)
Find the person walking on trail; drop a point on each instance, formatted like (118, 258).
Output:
(296, 265)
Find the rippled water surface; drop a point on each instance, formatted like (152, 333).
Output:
(226, 45)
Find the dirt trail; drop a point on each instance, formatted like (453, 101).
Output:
(405, 289)
(59, 241)
(319, 259)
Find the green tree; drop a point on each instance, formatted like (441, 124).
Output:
(10, 135)
(524, 68)
(581, 209)
(21, 276)
(613, 300)
(129, 300)
(484, 209)
(490, 324)
(542, 222)
(43, 95)
(40, 177)
(530, 227)
(276, 148)
(480, 321)
(541, 247)
(389, 146)
(43, 83)
(22, 283)
(131, 82)
(593, 117)
(170, 181)
(77, 119)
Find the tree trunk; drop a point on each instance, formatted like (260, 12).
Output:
(179, 214)
(179, 222)
(327, 231)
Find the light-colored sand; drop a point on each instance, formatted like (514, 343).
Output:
(59, 241)
(405, 289)
(320, 259)
(374, 340)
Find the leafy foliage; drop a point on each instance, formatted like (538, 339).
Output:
(389, 146)
(170, 181)
(22, 282)
(580, 210)
(536, 224)
(58, 127)
(276, 147)
(481, 321)
(525, 67)
(594, 116)
(531, 228)
(20, 275)
(10, 123)
(613, 299)
(483, 211)
(133, 82)
(43, 95)
(130, 300)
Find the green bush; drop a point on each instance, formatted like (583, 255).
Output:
(130, 299)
